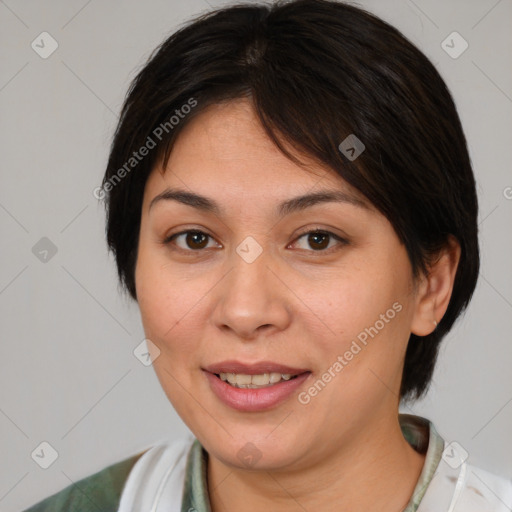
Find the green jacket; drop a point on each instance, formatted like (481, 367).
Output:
(99, 492)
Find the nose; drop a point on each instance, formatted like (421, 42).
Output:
(251, 299)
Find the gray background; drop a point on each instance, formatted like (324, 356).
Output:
(68, 373)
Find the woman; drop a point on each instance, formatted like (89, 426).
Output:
(291, 203)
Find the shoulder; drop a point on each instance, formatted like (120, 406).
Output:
(158, 477)
(485, 491)
(100, 491)
(467, 488)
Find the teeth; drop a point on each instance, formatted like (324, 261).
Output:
(241, 380)
(259, 380)
(274, 377)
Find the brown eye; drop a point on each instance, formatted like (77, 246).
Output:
(319, 241)
(196, 240)
(193, 240)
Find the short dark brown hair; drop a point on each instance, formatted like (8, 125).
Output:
(316, 71)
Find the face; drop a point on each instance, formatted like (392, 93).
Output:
(240, 287)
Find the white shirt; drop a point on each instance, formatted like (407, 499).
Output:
(161, 478)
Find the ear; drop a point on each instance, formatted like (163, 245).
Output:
(435, 289)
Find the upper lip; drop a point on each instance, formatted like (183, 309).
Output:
(253, 369)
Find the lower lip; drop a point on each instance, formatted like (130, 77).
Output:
(250, 399)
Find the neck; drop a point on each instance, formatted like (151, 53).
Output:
(379, 471)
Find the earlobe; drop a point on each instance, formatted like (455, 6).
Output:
(434, 291)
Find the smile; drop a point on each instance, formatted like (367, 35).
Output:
(263, 380)
(254, 387)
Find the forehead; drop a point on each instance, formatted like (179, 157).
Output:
(224, 150)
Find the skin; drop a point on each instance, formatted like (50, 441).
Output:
(295, 304)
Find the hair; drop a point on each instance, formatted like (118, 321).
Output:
(316, 72)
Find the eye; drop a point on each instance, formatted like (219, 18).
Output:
(319, 240)
(194, 240)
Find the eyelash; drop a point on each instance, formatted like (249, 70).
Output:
(342, 241)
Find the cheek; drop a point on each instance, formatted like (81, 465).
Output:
(153, 296)
(161, 299)
(173, 305)
(350, 302)
(367, 314)
(167, 302)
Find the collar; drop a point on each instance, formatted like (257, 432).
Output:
(419, 432)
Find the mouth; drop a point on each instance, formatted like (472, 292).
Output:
(250, 376)
(254, 387)
(262, 380)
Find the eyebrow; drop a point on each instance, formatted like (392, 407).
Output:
(287, 207)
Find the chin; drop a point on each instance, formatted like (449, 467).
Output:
(257, 452)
